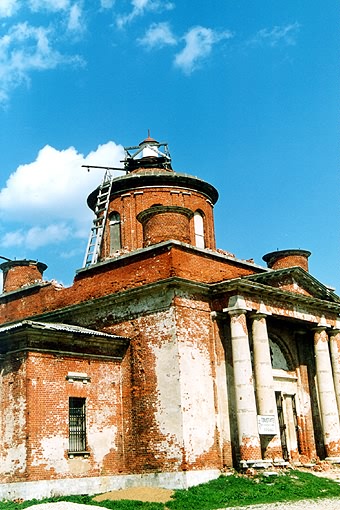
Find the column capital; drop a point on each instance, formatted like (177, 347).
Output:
(217, 315)
(333, 332)
(237, 301)
(236, 311)
(319, 328)
(258, 314)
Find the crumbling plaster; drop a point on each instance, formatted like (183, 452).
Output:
(13, 455)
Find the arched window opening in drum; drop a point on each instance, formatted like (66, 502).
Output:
(199, 229)
(115, 233)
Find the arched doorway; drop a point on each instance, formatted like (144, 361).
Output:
(285, 386)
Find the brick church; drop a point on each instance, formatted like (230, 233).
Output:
(167, 361)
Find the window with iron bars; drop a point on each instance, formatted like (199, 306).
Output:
(77, 424)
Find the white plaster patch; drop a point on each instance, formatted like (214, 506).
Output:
(304, 402)
(197, 400)
(199, 328)
(14, 457)
(14, 460)
(222, 418)
(101, 442)
(168, 414)
(102, 418)
(14, 418)
(186, 411)
(52, 454)
(250, 442)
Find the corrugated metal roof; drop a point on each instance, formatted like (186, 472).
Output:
(56, 326)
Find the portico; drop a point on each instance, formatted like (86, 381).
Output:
(277, 351)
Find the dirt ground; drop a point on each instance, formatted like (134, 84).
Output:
(151, 494)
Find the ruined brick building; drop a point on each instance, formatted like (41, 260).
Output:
(167, 360)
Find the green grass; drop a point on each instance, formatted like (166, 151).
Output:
(226, 491)
(239, 490)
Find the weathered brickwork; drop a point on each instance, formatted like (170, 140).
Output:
(36, 419)
(13, 423)
(21, 274)
(281, 259)
(166, 358)
(47, 382)
(165, 223)
(130, 204)
(117, 275)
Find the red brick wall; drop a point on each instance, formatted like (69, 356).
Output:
(129, 205)
(166, 357)
(18, 276)
(124, 274)
(13, 419)
(147, 446)
(48, 394)
(165, 226)
(287, 258)
(290, 261)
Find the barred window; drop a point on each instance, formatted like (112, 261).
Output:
(77, 424)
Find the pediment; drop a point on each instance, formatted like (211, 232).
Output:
(297, 281)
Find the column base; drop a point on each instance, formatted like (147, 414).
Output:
(333, 460)
(280, 463)
(256, 464)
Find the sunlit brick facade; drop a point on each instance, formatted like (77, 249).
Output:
(167, 361)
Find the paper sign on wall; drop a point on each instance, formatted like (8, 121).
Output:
(266, 424)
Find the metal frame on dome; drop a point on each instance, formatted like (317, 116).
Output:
(149, 146)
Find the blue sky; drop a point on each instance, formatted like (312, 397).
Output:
(244, 91)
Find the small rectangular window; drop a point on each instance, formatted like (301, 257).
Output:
(77, 424)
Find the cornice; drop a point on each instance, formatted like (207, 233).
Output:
(239, 285)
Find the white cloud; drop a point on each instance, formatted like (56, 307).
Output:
(72, 11)
(75, 21)
(48, 196)
(73, 252)
(36, 237)
(158, 35)
(279, 34)
(199, 42)
(25, 49)
(106, 4)
(49, 5)
(140, 7)
(8, 8)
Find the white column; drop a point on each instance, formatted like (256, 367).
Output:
(265, 392)
(334, 344)
(249, 440)
(327, 398)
